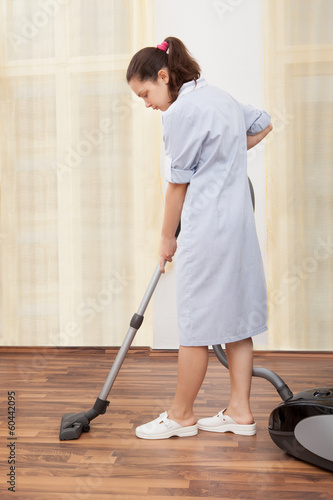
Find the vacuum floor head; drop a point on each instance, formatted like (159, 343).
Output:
(72, 425)
(303, 426)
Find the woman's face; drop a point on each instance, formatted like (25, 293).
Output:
(155, 94)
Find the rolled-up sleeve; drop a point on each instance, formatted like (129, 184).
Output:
(183, 142)
(256, 120)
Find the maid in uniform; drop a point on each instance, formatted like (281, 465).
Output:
(221, 286)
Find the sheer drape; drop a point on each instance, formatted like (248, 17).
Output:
(80, 191)
(299, 83)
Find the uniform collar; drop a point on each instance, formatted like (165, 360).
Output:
(184, 89)
(189, 86)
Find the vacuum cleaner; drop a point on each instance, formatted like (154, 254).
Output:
(301, 426)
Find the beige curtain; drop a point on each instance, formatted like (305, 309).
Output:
(81, 202)
(299, 85)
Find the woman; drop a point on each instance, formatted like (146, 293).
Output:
(221, 288)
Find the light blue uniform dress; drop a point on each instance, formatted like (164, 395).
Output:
(221, 286)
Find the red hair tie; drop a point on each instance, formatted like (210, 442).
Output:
(163, 46)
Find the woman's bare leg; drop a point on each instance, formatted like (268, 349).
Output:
(192, 367)
(240, 360)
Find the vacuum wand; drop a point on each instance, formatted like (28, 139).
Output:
(73, 424)
(135, 324)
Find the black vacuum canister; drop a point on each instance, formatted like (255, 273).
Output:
(303, 426)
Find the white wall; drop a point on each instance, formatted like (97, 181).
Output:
(226, 37)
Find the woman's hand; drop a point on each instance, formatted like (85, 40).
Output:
(168, 249)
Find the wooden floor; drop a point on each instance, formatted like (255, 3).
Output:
(109, 462)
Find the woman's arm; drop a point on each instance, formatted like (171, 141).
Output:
(253, 140)
(174, 200)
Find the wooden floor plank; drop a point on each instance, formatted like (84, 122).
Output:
(110, 462)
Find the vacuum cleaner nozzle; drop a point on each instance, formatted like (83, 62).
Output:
(73, 424)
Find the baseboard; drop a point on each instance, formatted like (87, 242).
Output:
(148, 351)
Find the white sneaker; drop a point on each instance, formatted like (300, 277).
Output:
(163, 428)
(223, 423)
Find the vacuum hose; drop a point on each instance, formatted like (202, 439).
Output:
(281, 387)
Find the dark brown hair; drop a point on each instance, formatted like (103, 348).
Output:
(181, 66)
